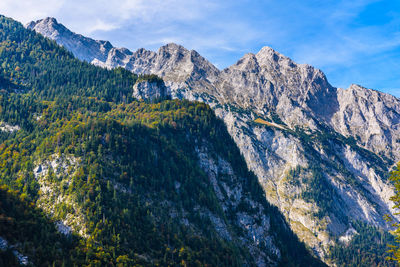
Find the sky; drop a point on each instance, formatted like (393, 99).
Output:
(355, 41)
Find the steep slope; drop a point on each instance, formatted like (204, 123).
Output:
(24, 228)
(118, 185)
(321, 154)
(370, 116)
(138, 183)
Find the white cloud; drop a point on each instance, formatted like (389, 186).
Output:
(28, 10)
(101, 25)
(91, 15)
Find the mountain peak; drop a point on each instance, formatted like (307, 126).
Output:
(49, 27)
(268, 50)
(268, 56)
(248, 61)
(48, 22)
(173, 47)
(82, 47)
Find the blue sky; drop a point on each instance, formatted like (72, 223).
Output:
(354, 41)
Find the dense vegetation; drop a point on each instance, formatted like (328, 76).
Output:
(367, 248)
(131, 159)
(33, 62)
(20, 220)
(133, 183)
(394, 246)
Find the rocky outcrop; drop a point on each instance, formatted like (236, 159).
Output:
(53, 197)
(4, 246)
(149, 90)
(4, 127)
(321, 154)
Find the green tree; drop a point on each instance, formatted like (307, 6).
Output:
(395, 248)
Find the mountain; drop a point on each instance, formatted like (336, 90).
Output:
(91, 176)
(84, 48)
(322, 154)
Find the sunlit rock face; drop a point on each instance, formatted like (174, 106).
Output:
(147, 90)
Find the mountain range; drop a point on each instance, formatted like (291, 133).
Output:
(92, 176)
(320, 154)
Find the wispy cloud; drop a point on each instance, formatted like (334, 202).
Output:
(28, 10)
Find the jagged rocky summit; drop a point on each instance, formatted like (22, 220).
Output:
(84, 48)
(322, 154)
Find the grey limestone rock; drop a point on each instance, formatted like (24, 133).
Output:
(149, 90)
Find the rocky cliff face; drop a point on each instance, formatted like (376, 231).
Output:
(372, 117)
(149, 90)
(322, 154)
